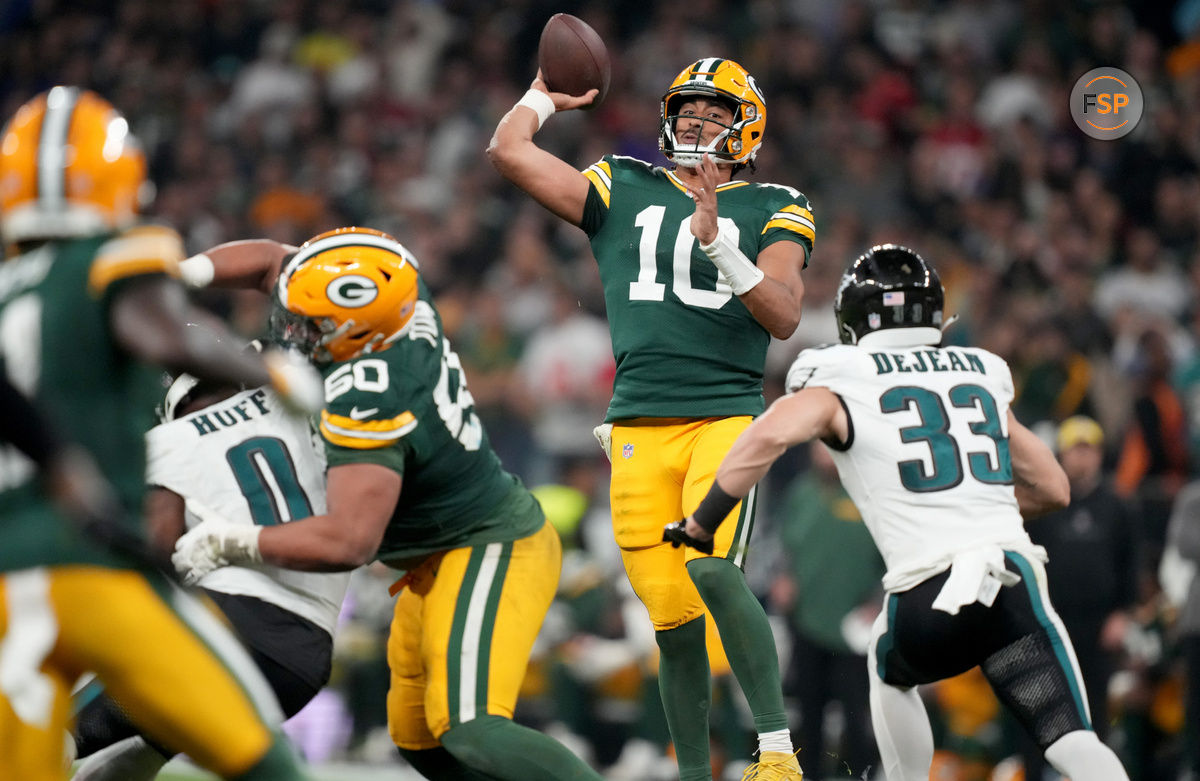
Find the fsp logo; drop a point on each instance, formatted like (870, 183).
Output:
(1106, 103)
(352, 291)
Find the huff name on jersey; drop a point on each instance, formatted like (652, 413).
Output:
(224, 417)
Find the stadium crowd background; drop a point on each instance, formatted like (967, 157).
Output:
(943, 126)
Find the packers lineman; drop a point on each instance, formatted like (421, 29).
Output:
(86, 298)
(699, 271)
(413, 482)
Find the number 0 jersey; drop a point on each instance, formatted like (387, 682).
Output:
(251, 462)
(927, 461)
(685, 346)
(408, 408)
(56, 346)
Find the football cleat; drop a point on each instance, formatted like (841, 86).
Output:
(888, 286)
(69, 167)
(714, 77)
(345, 293)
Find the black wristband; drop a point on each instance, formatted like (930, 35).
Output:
(714, 507)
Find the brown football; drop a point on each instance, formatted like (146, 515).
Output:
(572, 58)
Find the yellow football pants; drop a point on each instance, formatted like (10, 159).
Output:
(661, 469)
(171, 666)
(462, 634)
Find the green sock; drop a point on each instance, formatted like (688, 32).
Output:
(686, 689)
(505, 751)
(278, 764)
(438, 764)
(746, 635)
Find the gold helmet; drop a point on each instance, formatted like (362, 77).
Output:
(725, 79)
(345, 293)
(69, 167)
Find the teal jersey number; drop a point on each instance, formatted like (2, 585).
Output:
(934, 430)
(265, 472)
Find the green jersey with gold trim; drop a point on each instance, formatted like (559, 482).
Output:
(56, 346)
(685, 345)
(408, 408)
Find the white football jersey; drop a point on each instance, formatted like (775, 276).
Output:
(927, 461)
(251, 462)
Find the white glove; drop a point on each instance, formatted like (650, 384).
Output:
(298, 384)
(214, 544)
(603, 435)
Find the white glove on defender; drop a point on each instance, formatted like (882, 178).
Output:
(298, 384)
(212, 544)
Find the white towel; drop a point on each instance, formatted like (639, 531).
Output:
(975, 576)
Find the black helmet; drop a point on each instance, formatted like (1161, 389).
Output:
(888, 286)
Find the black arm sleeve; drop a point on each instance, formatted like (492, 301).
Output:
(25, 427)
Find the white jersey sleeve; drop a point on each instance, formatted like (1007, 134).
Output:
(251, 462)
(927, 458)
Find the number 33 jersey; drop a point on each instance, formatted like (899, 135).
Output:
(685, 345)
(408, 408)
(927, 461)
(251, 462)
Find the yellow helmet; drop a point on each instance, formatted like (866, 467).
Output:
(725, 79)
(345, 293)
(68, 167)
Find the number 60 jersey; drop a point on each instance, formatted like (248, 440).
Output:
(927, 458)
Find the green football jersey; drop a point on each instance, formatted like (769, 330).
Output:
(408, 408)
(56, 346)
(685, 345)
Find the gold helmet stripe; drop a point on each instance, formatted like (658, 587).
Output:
(339, 241)
(52, 146)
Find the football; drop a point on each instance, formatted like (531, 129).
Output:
(573, 59)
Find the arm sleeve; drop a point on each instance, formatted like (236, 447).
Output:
(25, 427)
(791, 220)
(595, 209)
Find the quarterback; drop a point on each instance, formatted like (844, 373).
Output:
(942, 472)
(699, 271)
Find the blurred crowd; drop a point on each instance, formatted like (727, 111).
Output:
(943, 126)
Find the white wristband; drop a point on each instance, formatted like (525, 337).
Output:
(739, 272)
(541, 104)
(197, 271)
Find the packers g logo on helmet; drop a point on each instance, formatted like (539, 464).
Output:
(69, 167)
(715, 78)
(352, 291)
(345, 293)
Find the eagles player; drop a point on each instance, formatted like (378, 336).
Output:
(699, 271)
(237, 453)
(414, 483)
(929, 450)
(86, 297)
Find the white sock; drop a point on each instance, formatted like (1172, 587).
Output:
(779, 740)
(1080, 754)
(131, 759)
(902, 732)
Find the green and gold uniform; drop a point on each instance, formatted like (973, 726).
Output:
(483, 563)
(68, 606)
(689, 358)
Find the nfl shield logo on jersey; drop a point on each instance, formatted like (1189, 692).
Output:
(627, 450)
